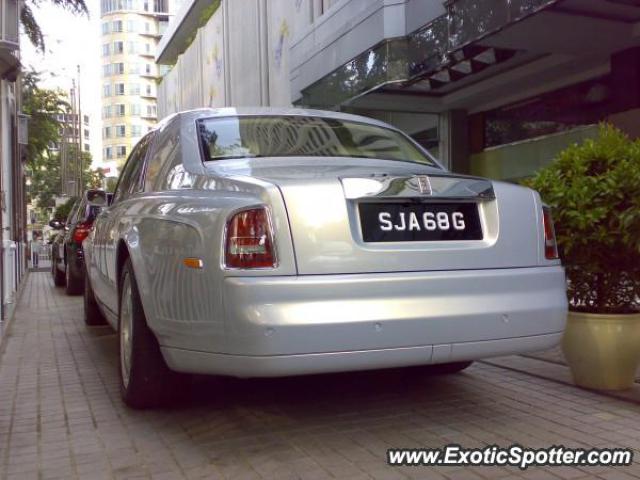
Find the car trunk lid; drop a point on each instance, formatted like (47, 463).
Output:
(334, 207)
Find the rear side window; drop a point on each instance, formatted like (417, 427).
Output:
(73, 213)
(129, 181)
(91, 212)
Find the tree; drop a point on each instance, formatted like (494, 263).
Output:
(46, 178)
(42, 105)
(44, 164)
(30, 25)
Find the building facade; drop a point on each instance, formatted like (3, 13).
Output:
(492, 87)
(13, 139)
(131, 30)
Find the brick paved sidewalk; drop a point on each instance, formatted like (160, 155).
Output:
(61, 415)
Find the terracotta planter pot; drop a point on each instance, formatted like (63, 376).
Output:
(603, 351)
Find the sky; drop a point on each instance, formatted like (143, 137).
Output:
(70, 40)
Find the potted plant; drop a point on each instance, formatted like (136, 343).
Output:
(593, 190)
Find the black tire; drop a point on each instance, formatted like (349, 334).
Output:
(92, 314)
(447, 368)
(73, 284)
(58, 276)
(150, 382)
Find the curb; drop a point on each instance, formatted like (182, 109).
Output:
(557, 373)
(6, 324)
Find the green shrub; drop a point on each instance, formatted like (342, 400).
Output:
(593, 190)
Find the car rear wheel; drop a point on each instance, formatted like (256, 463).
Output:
(92, 314)
(58, 276)
(146, 381)
(73, 284)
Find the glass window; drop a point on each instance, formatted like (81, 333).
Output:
(120, 110)
(106, 132)
(105, 28)
(106, 111)
(121, 131)
(164, 166)
(118, 68)
(118, 48)
(106, 70)
(286, 136)
(136, 131)
(130, 179)
(116, 26)
(134, 89)
(132, 47)
(105, 50)
(121, 151)
(73, 213)
(135, 109)
(106, 90)
(118, 88)
(558, 111)
(108, 153)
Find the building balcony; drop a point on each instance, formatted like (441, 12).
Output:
(9, 39)
(436, 46)
(150, 34)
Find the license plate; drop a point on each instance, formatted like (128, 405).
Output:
(411, 222)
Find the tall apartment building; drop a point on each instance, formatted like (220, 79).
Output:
(69, 130)
(131, 30)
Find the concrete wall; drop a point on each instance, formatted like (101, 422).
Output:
(240, 57)
(263, 52)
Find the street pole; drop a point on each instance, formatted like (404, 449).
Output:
(74, 136)
(80, 129)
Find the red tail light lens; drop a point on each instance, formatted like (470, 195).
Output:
(550, 245)
(81, 232)
(249, 240)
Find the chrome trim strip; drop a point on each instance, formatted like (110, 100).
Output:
(449, 187)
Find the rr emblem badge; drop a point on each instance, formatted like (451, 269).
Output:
(424, 185)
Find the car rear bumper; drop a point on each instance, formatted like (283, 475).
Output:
(189, 361)
(327, 323)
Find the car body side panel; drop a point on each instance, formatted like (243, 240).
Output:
(183, 305)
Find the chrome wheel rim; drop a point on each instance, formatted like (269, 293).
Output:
(126, 323)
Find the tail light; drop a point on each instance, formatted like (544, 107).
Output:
(249, 240)
(550, 245)
(81, 231)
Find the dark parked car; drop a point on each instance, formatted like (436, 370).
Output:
(67, 257)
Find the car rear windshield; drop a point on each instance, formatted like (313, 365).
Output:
(303, 136)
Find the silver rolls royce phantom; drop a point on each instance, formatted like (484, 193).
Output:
(273, 242)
